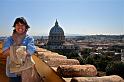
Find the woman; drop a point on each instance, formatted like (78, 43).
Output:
(19, 37)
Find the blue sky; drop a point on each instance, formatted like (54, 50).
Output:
(85, 17)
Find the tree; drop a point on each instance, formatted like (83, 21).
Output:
(100, 61)
(116, 68)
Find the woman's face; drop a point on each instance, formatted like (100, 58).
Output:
(20, 28)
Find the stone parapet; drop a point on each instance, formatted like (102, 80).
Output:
(77, 70)
(55, 62)
(112, 78)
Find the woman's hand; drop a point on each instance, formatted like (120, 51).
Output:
(6, 52)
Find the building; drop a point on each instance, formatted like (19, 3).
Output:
(122, 55)
(56, 40)
(56, 35)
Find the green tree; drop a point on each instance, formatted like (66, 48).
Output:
(116, 68)
(100, 61)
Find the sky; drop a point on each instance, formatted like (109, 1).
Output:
(83, 17)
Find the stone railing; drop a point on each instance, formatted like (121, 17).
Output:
(71, 70)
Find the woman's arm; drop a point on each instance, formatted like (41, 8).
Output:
(6, 47)
(31, 48)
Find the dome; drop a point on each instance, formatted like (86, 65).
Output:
(56, 35)
(56, 30)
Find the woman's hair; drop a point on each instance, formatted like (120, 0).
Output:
(22, 20)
